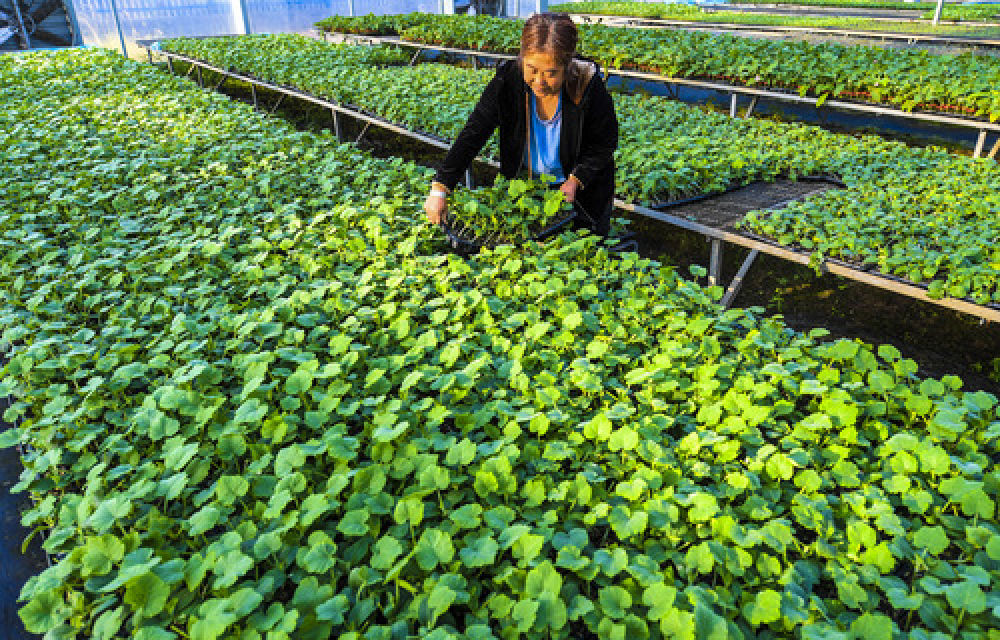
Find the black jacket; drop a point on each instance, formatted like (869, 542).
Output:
(588, 137)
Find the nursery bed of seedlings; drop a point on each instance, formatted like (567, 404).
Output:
(851, 115)
(908, 79)
(919, 214)
(263, 404)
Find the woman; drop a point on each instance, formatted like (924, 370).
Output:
(555, 117)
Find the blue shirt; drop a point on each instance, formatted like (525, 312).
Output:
(543, 154)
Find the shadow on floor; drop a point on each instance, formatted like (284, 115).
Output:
(15, 567)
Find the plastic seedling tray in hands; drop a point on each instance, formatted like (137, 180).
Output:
(509, 212)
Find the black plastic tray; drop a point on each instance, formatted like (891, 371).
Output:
(465, 238)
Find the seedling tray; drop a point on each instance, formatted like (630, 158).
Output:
(698, 197)
(467, 239)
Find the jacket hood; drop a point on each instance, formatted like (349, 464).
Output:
(578, 76)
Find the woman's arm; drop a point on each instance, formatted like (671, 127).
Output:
(482, 122)
(599, 136)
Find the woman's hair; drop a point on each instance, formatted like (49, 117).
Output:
(551, 33)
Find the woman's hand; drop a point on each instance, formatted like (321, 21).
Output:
(569, 188)
(436, 207)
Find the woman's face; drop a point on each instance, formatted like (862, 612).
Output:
(543, 74)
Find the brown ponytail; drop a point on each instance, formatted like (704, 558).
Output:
(551, 33)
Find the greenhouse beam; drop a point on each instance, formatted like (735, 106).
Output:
(118, 25)
(240, 12)
(937, 13)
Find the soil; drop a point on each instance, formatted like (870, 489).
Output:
(15, 567)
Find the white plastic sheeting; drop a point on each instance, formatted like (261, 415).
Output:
(153, 19)
(525, 8)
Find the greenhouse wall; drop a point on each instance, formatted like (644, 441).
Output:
(151, 19)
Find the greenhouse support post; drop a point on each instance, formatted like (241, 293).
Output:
(118, 25)
(23, 31)
(937, 12)
(350, 8)
(336, 126)
(239, 9)
(715, 262)
(541, 6)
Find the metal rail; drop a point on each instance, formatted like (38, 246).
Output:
(755, 93)
(910, 38)
(713, 234)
